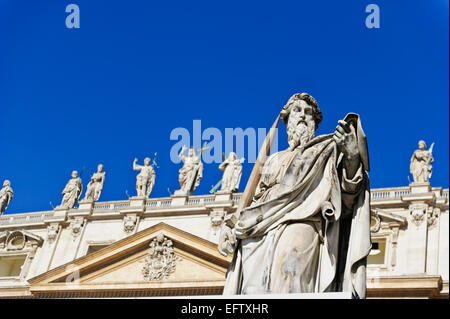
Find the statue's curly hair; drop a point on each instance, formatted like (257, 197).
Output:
(317, 113)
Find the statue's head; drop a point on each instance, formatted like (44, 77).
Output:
(100, 168)
(422, 145)
(6, 183)
(74, 174)
(302, 116)
(147, 161)
(232, 156)
(191, 152)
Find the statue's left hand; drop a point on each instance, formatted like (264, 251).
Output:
(345, 137)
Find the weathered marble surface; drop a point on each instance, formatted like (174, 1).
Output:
(421, 160)
(145, 180)
(232, 173)
(6, 195)
(72, 192)
(95, 185)
(191, 173)
(308, 227)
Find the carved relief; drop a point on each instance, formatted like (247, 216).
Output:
(76, 225)
(216, 217)
(19, 240)
(375, 222)
(52, 232)
(418, 214)
(129, 223)
(161, 259)
(433, 215)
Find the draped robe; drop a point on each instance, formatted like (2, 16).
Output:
(308, 228)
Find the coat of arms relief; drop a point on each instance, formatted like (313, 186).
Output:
(161, 259)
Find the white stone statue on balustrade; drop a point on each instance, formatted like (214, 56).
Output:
(191, 173)
(145, 180)
(72, 192)
(95, 186)
(232, 172)
(6, 194)
(421, 160)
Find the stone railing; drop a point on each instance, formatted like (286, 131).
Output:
(25, 218)
(108, 206)
(398, 192)
(377, 194)
(387, 193)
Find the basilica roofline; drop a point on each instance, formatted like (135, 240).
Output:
(200, 204)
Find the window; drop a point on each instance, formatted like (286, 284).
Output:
(11, 266)
(377, 255)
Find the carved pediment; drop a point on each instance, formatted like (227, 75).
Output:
(158, 260)
(19, 239)
(379, 216)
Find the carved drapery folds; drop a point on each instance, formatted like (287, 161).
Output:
(161, 259)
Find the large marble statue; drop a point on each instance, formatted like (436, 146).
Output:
(421, 160)
(95, 185)
(191, 173)
(6, 194)
(232, 172)
(145, 180)
(72, 192)
(307, 228)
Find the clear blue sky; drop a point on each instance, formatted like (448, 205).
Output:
(115, 88)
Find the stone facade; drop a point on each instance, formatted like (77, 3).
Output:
(102, 249)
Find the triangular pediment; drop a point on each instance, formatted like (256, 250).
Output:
(388, 216)
(160, 260)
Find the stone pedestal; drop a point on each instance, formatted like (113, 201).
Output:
(420, 188)
(179, 199)
(86, 206)
(222, 196)
(137, 201)
(323, 295)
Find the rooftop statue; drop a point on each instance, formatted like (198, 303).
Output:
(191, 173)
(6, 194)
(145, 180)
(95, 186)
(303, 222)
(72, 192)
(421, 160)
(232, 172)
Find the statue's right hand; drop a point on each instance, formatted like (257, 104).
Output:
(227, 241)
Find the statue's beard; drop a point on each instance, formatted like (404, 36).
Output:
(300, 133)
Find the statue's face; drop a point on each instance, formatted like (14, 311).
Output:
(191, 152)
(301, 125)
(74, 174)
(147, 161)
(100, 168)
(6, 183)
(422, 145)
(233, 156)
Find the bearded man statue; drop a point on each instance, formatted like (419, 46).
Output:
(307, 229)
